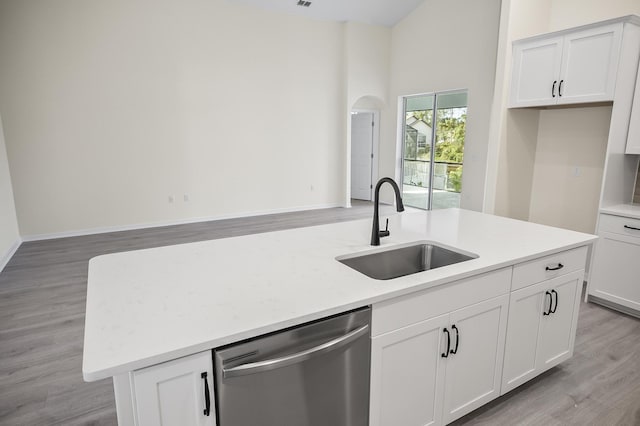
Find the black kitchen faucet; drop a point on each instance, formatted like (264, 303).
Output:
(376, 233)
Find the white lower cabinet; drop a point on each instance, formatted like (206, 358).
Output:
(474, 364)
(439, 354)
(437, 370)
(175, 393)
(436, 354)
(407, 385)
(541, 328)
(616, 270)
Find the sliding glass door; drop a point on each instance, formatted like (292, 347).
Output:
(433, 149)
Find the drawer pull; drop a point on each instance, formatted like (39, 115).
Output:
(445, 354)
(631, 227)
(546, 293)
(455, 350)
(560, 88)
(560, 266)
(207, 398)
(553, 311)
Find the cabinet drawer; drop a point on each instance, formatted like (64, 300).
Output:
(544, 268)
(415, 307)
(619, 225)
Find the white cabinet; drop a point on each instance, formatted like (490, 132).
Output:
(178, 392)
(633, 137)
(407, 379)
(438, 370)
(566, 68)
(536, 70)
(474, 364)
(541, 328)
(616, 269)
(431, 370)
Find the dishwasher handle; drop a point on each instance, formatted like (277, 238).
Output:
(272, 364)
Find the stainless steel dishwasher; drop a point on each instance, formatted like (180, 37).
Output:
(316, 374)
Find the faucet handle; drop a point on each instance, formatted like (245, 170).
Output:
(386, 232)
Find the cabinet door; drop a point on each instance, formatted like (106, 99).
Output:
(616, 271)
(406, 378)
(536, 66)
(474, 366)
(525, 313)
(535, 341)
(173, 393)
(558, 329)
(589, 64)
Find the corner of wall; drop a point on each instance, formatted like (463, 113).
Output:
(9, 232)
(512, 152)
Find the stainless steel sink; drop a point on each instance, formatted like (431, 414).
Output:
(404, 259)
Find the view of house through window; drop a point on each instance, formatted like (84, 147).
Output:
(433, 150)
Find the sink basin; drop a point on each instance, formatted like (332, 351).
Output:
(404, 259)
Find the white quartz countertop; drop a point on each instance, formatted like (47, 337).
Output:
(625, 210)
(154, 305)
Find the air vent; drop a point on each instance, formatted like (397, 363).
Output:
(304, 3)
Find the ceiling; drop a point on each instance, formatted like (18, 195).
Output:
(379, 12)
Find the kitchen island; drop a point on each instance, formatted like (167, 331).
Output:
(149, 307)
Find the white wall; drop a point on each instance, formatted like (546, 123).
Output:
(571, 13)
(367, 59)
(444, 45)
(9, 235)
(516, 162)
(568, 170)
(110, 107)
(367, 55)
(513, 138)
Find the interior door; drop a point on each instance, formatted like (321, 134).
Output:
(361, 155)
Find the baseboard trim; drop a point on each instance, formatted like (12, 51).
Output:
(108, 229)
(615, 306)
(4, 259)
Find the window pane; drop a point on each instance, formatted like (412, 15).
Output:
(451, 119)
(417, 150)
(441, 181)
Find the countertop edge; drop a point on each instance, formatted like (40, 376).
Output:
(95, 375)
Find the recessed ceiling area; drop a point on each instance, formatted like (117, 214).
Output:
(379, 12)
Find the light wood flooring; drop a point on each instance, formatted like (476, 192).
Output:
(42, 304)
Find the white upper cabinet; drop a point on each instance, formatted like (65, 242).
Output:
(536, 67)
(573, 67)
